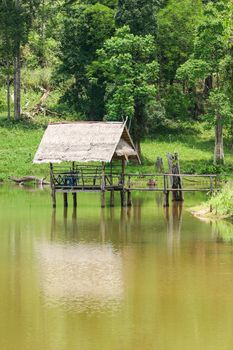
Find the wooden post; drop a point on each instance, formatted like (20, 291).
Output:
(103, 187)
(74, 199)
(65, 196)
(165, 192)
(112, 198)
(129, 197)
(211, 185)
(123, 198)
(175, 181)
(52, 185)
(112, 190)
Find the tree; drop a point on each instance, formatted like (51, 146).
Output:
(6, 45)
(15, 29)
(129, 68)
(139, 15)
(176, 32)
(86, 27)
(211, 57)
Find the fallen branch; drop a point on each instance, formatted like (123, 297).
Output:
(24, 179)
(39, 106)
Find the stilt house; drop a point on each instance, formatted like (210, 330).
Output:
(83, 157)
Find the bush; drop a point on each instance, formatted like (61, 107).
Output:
(222, 202)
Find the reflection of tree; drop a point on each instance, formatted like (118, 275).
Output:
(222, 231)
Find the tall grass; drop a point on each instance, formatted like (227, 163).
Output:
(222, 202)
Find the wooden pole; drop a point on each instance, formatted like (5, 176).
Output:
(65, 196)
(52, 185)
(123, 199)
(211, 185)
(103, 186)
(166, 192)
(129, 197)
(112, 198)
(74, 199)
(112, 190)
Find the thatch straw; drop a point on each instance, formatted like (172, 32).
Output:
(85, 142)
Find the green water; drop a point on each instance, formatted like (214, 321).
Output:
(112, 279)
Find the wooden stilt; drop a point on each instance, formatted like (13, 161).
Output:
(103, 186)
(166, 199)
(112, 198)
(65, 196)
(123, 193)
(53, 190)
(165, 192)
(54, 198)
(74, 200)
(123, 198)
(102, 199)
(129, 199)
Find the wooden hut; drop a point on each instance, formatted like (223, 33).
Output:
(82, 158)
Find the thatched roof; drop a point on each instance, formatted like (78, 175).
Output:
(85, 142)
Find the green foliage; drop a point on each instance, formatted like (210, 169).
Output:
(139, 15)
(86, 27)
(209, 44)
(220, 104)
(193, 71)
(181, 110)
(127, 63)
(222, 202)
(176, 30)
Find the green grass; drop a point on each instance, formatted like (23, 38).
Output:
(19, 142)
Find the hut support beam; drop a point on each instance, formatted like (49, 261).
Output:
(103, 186)
(129, 199)
(75, 200)
(112, 198)
(65, 196)
(166, 192)
(53, 190)
(123, 194)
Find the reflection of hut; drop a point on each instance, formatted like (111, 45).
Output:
(85, 275)
(85, 142)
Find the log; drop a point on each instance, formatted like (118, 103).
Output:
(24, 179)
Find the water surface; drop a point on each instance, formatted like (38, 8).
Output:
(127, 279)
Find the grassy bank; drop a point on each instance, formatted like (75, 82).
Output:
(19, 141)
(219, 206)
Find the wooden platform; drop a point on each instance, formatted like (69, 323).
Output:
(73, 182)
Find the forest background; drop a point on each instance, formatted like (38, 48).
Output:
(164, 65)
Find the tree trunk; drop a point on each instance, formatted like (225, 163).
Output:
(208, 85)
(17, 86)
(219, 150)
(138, 147)
(8, 93)
(17, 73)
(138, 126)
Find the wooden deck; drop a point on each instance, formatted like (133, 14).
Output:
(93, 179)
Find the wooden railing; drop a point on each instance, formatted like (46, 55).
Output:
(93, 179)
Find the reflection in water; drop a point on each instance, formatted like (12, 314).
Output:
(173, 216)
(130, 279)
(80, 277)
